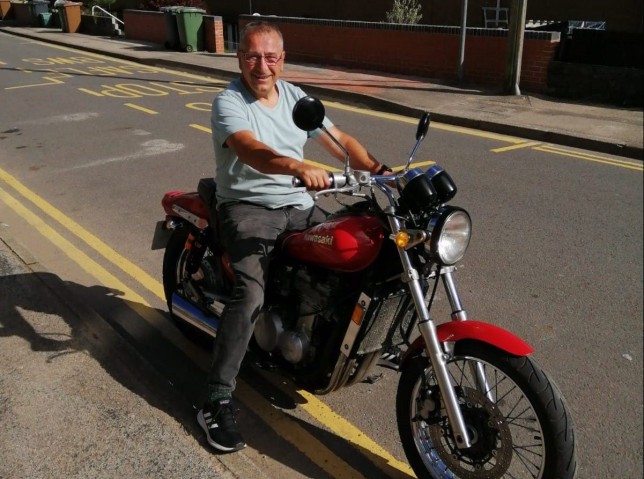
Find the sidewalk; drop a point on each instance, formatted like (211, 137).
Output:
(75, 399)
(600, 128)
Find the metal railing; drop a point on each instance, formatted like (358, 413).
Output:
(96, 7)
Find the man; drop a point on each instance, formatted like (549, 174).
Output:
(258, 149)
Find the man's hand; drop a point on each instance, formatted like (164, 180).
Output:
(314, 178)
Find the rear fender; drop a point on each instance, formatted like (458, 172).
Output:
(189, 206)
(191, 202)
(455, 331)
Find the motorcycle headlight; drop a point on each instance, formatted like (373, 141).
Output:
(450, 232)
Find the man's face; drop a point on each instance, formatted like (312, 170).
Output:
(258, 75)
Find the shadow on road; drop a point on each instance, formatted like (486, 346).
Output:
(161, 373)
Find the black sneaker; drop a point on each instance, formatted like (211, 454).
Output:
(218, 421)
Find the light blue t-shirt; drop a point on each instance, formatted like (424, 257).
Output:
(236, 109)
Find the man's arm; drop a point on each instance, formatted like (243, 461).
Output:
(359, 157)
(264, 159)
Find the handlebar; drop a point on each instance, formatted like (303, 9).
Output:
(356, 178)
(337, 180)
(352, 183)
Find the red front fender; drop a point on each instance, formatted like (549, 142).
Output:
(479, 331)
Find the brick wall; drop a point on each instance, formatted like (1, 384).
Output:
(422, 50)
(145, 25)
(537, 57)
(214, 32)
(151, 27)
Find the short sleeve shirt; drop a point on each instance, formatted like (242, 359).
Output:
(236, 109)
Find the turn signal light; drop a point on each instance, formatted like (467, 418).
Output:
(401, 239)
(358, 314)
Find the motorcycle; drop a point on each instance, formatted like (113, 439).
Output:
(355, 292)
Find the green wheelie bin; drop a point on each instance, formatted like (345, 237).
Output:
(171, 27)
(190, 25)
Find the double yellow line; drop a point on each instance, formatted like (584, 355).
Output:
(582, 155)
(278, 420)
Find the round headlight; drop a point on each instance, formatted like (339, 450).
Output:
(451, 230)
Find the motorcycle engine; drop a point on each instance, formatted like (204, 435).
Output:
(287, 323)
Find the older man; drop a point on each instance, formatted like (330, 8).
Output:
(258, 149)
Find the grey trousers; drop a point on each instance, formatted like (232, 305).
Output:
(248, 233)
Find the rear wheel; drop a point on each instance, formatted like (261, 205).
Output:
(516, 418)
(200, 288)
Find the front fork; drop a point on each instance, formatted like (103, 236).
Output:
(427, 327)
(459, 314)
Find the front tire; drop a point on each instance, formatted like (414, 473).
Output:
(518, 422)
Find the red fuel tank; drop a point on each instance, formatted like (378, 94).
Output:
(347, 244)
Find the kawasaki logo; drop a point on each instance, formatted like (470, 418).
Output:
(320, 239)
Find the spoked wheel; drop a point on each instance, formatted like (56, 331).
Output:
(516, 418)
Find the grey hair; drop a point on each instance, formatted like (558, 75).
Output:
(258, 27)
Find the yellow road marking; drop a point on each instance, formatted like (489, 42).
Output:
(128, 62)
(297, 435)
(52, 81)
(150, 283)
(84, 261)
(343, 428)
(414, 121)
(321, 165)
(145, 110)
(416, 164)
(310, 447)
(590, 157)
(201, 128)
(85, 90)
(527, 144)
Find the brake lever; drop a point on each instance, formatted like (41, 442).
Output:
(344, 190)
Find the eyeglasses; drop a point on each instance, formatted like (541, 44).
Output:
(252, 58)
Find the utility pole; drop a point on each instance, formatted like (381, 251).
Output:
(516, 31)
(461, 50)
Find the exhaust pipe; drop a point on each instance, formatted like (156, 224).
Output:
(192, 315)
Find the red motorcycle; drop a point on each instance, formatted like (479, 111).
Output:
(355, 292)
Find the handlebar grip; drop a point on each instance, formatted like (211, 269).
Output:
(298, 183)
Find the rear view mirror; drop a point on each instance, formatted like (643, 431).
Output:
(308, 113)
(423, 126)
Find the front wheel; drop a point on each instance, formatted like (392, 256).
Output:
(516, 418)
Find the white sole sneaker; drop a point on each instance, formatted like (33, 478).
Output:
(202, 422)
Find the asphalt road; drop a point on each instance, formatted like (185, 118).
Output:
(89, 145)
